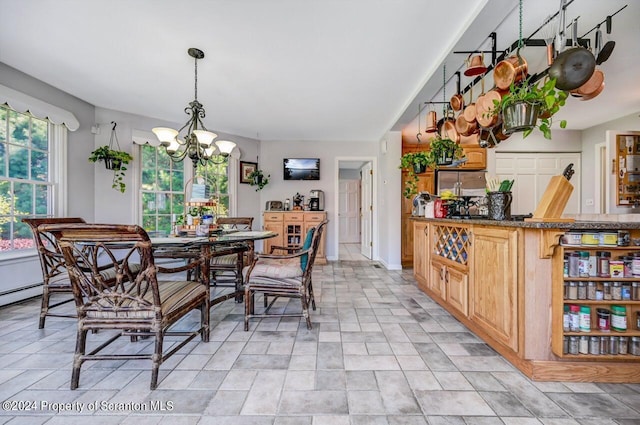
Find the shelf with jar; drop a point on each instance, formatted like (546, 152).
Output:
(598, 298)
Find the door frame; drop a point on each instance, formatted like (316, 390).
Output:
(374, 201)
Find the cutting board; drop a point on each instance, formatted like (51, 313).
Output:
(553, 201)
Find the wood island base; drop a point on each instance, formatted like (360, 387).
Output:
(505, 281)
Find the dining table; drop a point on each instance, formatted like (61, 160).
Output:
(217, 243)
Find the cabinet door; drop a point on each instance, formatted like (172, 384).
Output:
(421, 252)
(425, 184)
(273, 226)
(476, 158)
(457, 290)
(320, 256)
(436, 279)
(494, 288)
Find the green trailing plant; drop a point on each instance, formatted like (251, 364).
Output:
(257, 178)
(545, 96)
(114, 160)
(414, 163)
(441, 149)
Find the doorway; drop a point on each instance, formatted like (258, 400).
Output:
(355, 214)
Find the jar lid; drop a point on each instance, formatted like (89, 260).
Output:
(585, 309)
(618, 309)
(574, 307)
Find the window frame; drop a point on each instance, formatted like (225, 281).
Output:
(57, 179)
(142, 138)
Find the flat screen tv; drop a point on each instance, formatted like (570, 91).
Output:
(301, 168)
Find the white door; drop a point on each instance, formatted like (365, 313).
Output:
(349, 211)
(532, 173)
(366, 190)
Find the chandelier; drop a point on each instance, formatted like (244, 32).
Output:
(197, 143)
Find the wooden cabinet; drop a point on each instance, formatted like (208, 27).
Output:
(476, 158)
(421, 252)
(292, 227)
(627, 169)
(312, 219)
(451, 284)
(273, 222)
(426, 184)
(593, 293)
(494, 287)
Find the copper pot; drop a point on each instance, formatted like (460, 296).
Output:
(469, 111)
(457, 102)
(448, 131)
(485, 105)
(432, 126)
(510, 71)
(593, 86)
(465, 127)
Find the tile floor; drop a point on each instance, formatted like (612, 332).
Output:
(351, 252)
(380, 353)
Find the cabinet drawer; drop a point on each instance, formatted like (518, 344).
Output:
(273, 216)
(314, 217)
(295, 216)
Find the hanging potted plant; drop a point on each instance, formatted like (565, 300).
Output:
(114, 159)
(528, 106)
(414, 163)
(444, 151)
(257, 178)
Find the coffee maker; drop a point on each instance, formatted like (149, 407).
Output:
(316, 200)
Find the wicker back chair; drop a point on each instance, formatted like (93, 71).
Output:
(226, 270)
(55, 279)
(134, 304)
(287, 275)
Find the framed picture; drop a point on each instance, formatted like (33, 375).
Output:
(247, 168)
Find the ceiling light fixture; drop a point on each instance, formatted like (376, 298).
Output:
(198, 141)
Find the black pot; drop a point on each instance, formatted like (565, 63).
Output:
(520, 116)
(445, 157)
(419, 168)
(112, 163)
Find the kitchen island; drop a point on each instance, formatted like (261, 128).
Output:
(505, 281)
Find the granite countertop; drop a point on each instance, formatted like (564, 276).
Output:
(578, 224)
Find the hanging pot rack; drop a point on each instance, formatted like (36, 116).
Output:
(529, 41)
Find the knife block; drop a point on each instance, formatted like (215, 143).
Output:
(553, 202)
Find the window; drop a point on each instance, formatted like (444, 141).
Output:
(26, 182)
(216, 177)
(162, 188)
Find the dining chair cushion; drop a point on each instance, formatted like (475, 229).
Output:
(110, 273)
(276, 268)
(60, 281)
(229, 260)
(307, 244)
(173, 294)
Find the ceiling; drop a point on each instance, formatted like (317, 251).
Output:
(303, 70)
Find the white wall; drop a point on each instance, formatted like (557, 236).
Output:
(115, 207)
(25, 270)
(593, 136)
(390, 200)
(270, 161)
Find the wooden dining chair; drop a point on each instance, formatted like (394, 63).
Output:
(226, 270)
(55, 279)
(286, 275)
(135, 304)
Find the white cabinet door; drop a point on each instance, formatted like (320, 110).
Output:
(532, 172)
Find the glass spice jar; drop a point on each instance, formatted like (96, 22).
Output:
(591, 290)
(616, 291)
(594, 345)
(583, 347)
(603, 263)
(606, 289)
(574, 342)
(624, 345)
(573, 290)
(582, 290)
